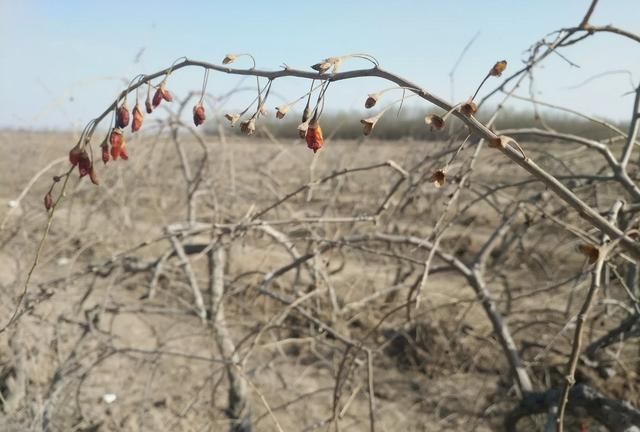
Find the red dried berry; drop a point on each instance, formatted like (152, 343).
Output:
(136, 124)
(74, 155)
(157, 98)
(105, 153)
(122, 116)
(115, 138)
(314, 138)
(48, 201)
(165, 94)
(160, 94)
(117, 143)
(115, 152)
(198, 115)
(84, 164)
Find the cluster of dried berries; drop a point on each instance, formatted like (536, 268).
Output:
(309, 129)
(435, 121)
(117, 143)
(79, 157)
(123, 117)
(114, 146)
(161, 94)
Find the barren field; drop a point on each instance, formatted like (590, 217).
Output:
(318, 287)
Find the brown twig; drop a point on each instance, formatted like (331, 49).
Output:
(239, 408)
(581, 319)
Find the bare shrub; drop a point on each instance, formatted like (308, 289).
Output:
(211, 281)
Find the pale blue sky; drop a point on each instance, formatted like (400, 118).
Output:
(62, 62)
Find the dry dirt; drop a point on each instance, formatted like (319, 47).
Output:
(88, 335)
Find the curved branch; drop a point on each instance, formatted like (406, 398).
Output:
(535, 132)
(474, 125)
(618, 168)
(605, 29)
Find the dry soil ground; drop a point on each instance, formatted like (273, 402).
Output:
(94, 351)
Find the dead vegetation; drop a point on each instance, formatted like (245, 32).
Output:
(247, 284)
(110, 314)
